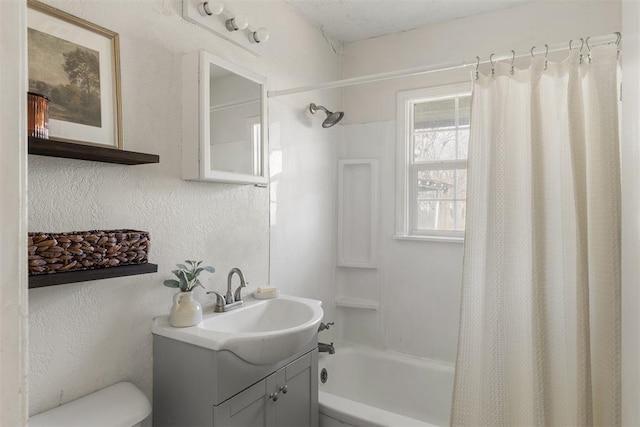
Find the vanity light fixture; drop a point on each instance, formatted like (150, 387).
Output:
(259, 36)
(238, 22)
(209, 8)
(233, 22)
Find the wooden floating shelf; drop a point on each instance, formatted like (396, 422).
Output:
(52, 279)
(71, 150)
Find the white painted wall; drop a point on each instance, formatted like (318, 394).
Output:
(88, 335)
(13, 198)
(418, 283)
(630, 174)
(519, 28)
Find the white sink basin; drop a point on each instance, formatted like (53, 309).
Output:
(262, 332)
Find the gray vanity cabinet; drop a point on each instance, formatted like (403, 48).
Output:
(299, 405)
(248, 408)
(198, 387)
(286, 398)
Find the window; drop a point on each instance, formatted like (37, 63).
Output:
(432, 142)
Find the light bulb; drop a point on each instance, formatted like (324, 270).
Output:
(259, 36)
(209, 8)
(238, 22)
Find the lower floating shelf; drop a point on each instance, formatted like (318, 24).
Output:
(52, 279)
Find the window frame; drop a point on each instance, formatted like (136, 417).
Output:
(406, 169)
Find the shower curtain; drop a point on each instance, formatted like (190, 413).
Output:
(539, 340)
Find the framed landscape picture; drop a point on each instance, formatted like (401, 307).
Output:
(76, 65)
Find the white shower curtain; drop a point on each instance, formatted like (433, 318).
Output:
(539, 340)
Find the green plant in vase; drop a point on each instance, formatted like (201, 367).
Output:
(186, 311)
(188, 276)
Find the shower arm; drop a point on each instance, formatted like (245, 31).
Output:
(314, 108)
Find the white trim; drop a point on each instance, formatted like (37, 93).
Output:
(13, 217)
(196, 125)
(630, 191)
(404, 187)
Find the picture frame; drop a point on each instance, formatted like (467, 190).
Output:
(76, 64)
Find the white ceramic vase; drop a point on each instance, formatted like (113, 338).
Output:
(186, 311)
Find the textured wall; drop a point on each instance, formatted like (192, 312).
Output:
(86, 336)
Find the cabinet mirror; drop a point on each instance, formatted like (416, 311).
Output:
(224, 113)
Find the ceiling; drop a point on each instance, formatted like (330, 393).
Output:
(351, 20)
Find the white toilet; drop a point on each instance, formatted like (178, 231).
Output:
(119, 405)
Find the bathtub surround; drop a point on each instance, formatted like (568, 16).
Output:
(303, 199)
(86, 336)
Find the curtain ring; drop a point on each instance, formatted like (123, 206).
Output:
(617, 33)
(532, 56)
(477, 66)
(581, 46)
(546, 52)
(586, 41)
(493, 67)
(513, 58)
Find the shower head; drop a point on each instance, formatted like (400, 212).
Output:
(332, 118)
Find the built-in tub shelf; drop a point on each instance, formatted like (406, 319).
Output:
(358, 192)
(357, 303)
(52, 279)
(71, 150)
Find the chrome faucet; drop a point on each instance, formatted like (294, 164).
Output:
(232, 299)
(237, 296)
(326, 348)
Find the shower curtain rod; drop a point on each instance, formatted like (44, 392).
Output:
(593, 41)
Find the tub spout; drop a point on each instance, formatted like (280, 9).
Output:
(326, 348)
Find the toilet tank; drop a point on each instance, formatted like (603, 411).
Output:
(119, 405)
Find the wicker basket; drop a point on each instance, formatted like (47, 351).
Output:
(86, 250)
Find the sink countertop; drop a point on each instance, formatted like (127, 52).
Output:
(205, 336)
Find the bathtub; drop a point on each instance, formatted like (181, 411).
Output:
(367, 387)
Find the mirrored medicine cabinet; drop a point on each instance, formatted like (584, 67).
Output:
(224, 136)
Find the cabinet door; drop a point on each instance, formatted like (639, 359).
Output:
(298, 407)
(246, 409)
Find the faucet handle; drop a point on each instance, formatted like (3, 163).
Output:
(220, 301)
(324, 326)
(238, 293)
